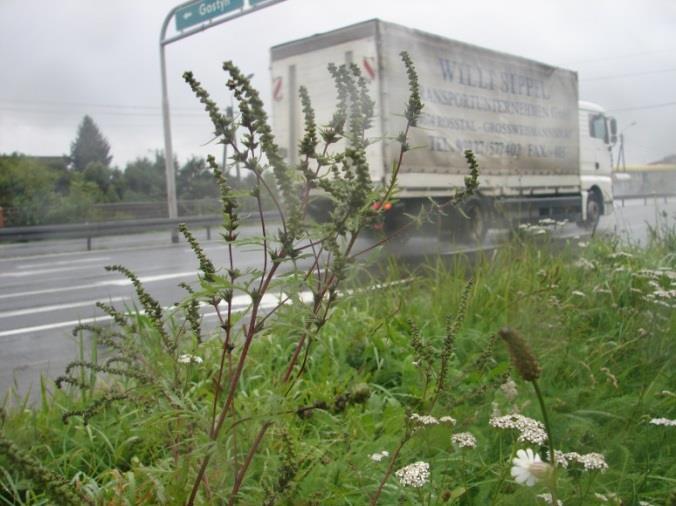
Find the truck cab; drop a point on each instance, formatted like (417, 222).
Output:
(598, 133)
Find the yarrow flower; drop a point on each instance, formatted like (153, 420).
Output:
(423, 420)
(414, 475)
(528, 468)
(530, 430)
(590, 461)
(663, 421)
(447, 419)
(548, 499)
(559, 458)
(377, 457)
(510, 389)
(464, 440)
(187, 359)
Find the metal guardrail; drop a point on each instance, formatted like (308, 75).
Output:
(645, 197)
(107, 228)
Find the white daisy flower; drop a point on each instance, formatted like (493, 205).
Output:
(528, 468)
(414, 475)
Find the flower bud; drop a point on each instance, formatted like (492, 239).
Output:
(522, 356)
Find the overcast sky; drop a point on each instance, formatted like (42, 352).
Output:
(61, 59)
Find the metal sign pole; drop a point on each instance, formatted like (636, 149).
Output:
(170, 171)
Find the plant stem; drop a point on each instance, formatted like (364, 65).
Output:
(548, 428)
(245, 465)
(388, 472)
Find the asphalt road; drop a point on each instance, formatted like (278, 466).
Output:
(47, 287)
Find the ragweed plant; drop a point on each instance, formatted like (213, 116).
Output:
(197, 383)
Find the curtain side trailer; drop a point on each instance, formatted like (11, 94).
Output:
(541, 153)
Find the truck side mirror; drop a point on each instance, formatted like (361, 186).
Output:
(613, 130)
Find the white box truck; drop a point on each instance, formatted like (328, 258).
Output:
(541, 153)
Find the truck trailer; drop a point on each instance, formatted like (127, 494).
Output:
(542, 153)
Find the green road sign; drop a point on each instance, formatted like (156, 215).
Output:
(201, 11)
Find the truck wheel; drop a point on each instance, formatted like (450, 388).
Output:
(594, 209)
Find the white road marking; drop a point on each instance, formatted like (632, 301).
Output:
(98, 284)
(36, 272)
(63, 262)
(50, 326)
(162, 277)
(56, 307)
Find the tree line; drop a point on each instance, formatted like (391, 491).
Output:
(66, 189)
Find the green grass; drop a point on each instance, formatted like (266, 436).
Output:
(606, 351)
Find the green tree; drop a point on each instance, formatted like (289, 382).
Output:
(27, 187)
(145, 180)
(195, 180)
(89, 146)
(108, 180)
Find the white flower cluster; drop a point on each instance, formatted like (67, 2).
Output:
(548, 499)
(423, 420)
(530, 430)
(377, 457)
(663, 421)
(464, 440)
(658, 274)
(663, 284)
(188, 359)
(610, 497)
(585, 264)
(414, 475)
(666, 298)
(590, 461)
(429, 420)
(542, 227)
(619, 255)
(510, 389)
(559, 458)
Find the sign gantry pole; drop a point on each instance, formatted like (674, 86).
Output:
(202, 13)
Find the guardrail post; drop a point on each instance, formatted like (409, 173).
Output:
(89, 243)
(208, 233)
